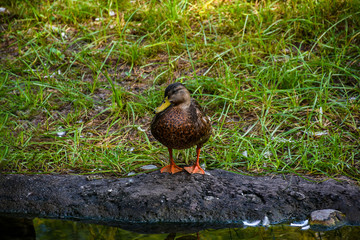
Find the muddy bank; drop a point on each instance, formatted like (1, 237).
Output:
(220, 197)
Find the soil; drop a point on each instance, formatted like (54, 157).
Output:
(219, 197)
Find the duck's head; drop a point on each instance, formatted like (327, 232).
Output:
(175, 94)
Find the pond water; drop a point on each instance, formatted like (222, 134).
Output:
(46, 229)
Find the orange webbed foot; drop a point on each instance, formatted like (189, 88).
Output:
(194, 169)
(172, 168)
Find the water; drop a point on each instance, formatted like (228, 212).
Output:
(46, 229)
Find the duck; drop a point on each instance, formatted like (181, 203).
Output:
(180, 123)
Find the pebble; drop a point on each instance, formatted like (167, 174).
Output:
(267, 154)
(321, 133)
(327, 218)
(283, 140)
(297, 195)
(209, 198)
(203, 166)
(61, 133)
(64, 35)
(245, 153)
(149, 167)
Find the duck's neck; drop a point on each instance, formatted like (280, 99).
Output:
(184, 105)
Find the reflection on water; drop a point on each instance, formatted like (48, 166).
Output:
(46, 229)
(57, 229)
(16, 228)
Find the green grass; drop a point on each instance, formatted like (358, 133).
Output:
(279, 79)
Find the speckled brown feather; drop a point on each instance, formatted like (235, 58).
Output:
(180, 128)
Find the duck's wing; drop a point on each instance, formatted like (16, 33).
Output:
(197, 114)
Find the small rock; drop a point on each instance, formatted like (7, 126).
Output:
(321, 133)
(252, 198)
(149, 167)
(203, 166)
(328, 218)
(282, 140)
(297, 195)
(93, 177)
(245, 153)
(54, 28)
(50, 76)
(267, 154)
(61, 133)
(209, 198)
(130, 181)
(352, 99)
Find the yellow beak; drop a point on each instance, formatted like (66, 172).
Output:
(164, 105)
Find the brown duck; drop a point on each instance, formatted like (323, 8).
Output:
(179, 123)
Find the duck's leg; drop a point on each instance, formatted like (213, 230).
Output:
(196, 167)
(172, 168)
